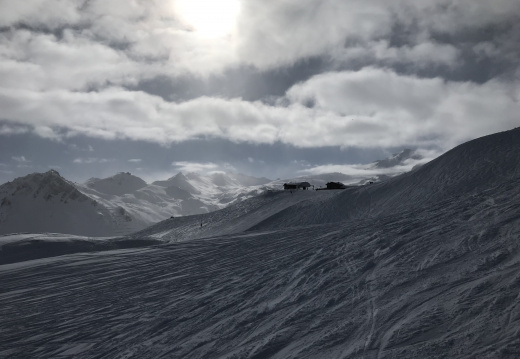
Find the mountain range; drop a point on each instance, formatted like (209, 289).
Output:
(124, 203)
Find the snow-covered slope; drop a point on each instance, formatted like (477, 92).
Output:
(236, 218)
(432, 271)
(467, 170)
(464, 171)
(120, 184)
(46, 202)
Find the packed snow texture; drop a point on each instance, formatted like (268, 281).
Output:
(425, 265)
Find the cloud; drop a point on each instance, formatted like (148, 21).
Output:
(367, 108)
(41, 13)
(78, 72)
(40, 61)
(93, 44)
(198, 167)
(75, 147)
(20, 159)
(203, 167)
(285, 31)
(422, 33)
(382, 108)
(9, 129)
(363, 171)
(135, 160)
(418, 56)
(91, 160)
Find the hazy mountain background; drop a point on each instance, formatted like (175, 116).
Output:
(124, 203)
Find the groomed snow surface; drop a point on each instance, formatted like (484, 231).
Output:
(425, 265)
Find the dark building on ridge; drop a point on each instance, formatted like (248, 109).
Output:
(296, 185)
(335, 185)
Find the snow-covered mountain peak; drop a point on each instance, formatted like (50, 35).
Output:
(119, 184)
(46, 185)
(46, 202)
(178, 176)
(52, 173)
(179, 181)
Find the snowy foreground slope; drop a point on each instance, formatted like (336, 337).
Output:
(426, 265)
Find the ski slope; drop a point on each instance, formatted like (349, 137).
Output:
(438, 282)
(233, 219)
(429, 268)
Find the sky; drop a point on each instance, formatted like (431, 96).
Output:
(268, 88)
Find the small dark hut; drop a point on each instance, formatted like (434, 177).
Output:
(335, 185)
(296, 185)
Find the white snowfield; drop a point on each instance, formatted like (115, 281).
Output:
(425, 265)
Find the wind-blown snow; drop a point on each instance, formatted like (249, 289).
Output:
(425, 265)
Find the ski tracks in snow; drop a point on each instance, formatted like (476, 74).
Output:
(400, 286)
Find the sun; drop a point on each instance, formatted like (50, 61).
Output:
(209, 18)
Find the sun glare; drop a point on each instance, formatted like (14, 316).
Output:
(209, 18)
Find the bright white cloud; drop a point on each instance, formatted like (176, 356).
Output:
(209, 18)
(286, 31)
(41, 62)
(380, 107)
(206, 168)
(198, 167)
(120, 42)
(366, 108)
(41, 13)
